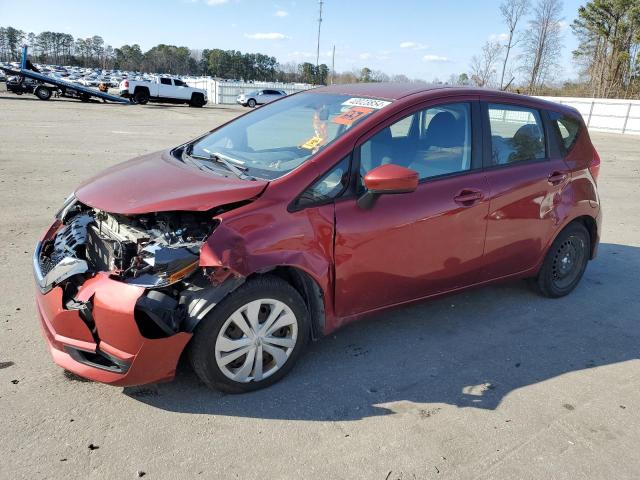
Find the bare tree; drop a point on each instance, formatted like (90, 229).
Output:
(542, 43)
(483, 67)
(512, 12)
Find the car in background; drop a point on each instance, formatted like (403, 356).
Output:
(162, 89)
(259, 97)
(307, 214)
(89, 81)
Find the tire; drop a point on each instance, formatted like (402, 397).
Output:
(565, 262)
(197, 100)
(85, 97)
(141, 96)
(251, 103)
(43, 93)
(212, 342)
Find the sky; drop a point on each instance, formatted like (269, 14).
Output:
(421, 38)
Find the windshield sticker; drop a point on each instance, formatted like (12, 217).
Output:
(366, 102)
(352, 115)
(313, 142)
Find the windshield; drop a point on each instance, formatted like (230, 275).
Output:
(276, 138)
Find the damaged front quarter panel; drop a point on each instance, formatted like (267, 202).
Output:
(260, 239)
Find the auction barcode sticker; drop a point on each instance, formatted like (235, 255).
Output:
(366, 102)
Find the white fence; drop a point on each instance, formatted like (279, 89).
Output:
(221, 92)
(606, 115)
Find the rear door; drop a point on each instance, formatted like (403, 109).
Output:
(261, 97)
(526, 174)
(412, 245)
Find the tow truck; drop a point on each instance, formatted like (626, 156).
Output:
(30, 80)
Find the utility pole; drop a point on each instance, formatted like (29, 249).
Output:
(319, 24)
(333, 64)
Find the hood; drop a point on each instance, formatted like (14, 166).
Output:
(158, 182)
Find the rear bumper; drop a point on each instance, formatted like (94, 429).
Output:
(115, 352)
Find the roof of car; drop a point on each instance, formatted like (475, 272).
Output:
(396, 91)
(390, 91)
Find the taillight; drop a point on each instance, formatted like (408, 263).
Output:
(126, 84)
(594, 166)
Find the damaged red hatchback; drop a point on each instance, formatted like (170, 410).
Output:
(296, 218)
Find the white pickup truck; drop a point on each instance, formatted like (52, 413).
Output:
(162, 89)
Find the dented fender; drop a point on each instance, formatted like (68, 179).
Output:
(254, 239)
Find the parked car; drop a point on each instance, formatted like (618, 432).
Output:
(89, 81)
(307, 214)
(259, 97)
(163, 89)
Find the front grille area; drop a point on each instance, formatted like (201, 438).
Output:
(48, 263)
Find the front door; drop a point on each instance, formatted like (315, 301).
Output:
(408, 246)
(165, 89)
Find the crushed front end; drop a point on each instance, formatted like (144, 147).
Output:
(118, 296)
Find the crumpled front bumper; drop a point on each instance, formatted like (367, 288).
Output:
(116, 353)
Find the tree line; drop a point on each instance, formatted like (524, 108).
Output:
(525, 58)
(62, 49)
(608, 54)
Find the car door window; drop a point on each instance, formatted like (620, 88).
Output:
(403, 127)
(179, 83)
(440, 146)
(568, 128)
(517, 134)
(165, 81)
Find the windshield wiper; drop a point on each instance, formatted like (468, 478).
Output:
(237, 170)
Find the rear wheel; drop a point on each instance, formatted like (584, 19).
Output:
(565, 262)
(43, 93)
(252, 338)
(251, 103)
(141, 96)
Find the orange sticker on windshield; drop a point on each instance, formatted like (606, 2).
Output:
(352, 115)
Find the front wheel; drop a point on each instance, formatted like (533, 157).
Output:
(197, 100)
(565, 262)
(251, 103)
(252, 338)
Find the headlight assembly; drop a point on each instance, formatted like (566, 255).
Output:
(164, 265)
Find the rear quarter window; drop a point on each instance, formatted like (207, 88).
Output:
(567, 127)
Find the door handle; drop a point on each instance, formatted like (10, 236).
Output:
(468, 197)
(557, 178)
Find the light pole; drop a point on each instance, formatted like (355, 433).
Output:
(319, 24)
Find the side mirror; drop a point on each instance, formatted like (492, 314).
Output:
(387, 179)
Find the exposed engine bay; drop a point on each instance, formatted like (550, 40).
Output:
(157, 251)
(152, 250)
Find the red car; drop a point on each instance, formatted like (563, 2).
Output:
(306, 214)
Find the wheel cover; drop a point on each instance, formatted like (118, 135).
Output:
(256, 340)
(568, 261)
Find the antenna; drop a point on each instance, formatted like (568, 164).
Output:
(319, 24)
